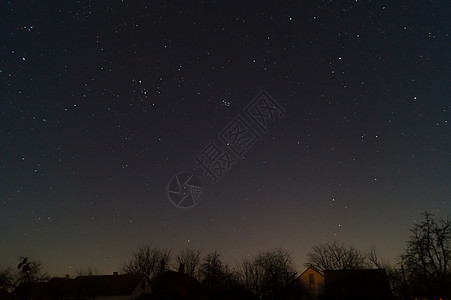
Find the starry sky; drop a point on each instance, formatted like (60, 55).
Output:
(103, 102)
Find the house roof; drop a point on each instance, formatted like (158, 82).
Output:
(371, 283)
(177, 284)
(311, 268)
(82, 286)
(59, 286)
(38, 290)
(106, 285)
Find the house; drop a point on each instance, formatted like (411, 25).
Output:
(360, 284)
(176, 285)
(103, 287)
(110, 287)
(312, 282)
(32, 290)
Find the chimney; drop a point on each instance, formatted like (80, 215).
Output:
(182, 268)
(67, 276)
(115, 273)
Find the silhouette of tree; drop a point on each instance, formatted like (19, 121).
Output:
(29, 270)
(394, 274)
(190, 259)
(148, 260)
(6, 278)
(427, 256)
(268, 274)
(88, 271)
(215, 275)
(251, 276)
(279, 272)
(335, 257)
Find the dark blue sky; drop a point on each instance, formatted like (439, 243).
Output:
(101, 103)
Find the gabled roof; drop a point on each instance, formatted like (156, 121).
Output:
(106, 285)
(177, 284)
(59, 286)
(311, 268)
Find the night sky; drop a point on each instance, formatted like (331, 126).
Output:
(103, 102)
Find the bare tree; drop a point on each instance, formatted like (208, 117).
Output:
(375, 261)
(88, 271)
(190, 260)
(215, 275)
(335, 257)
(6, 278)
(251, 276)
(394, 274)
(428, 254)
(29, 270)
(148, 260)
(279, 271)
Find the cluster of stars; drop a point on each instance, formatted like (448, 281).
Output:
(110, 99)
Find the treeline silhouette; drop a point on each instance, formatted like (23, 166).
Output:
(421, 270)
